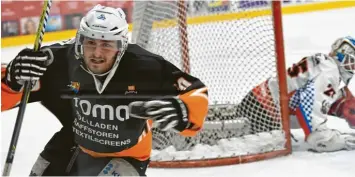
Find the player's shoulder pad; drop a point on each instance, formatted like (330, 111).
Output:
(60, 45)
(139, 52)
(142, 59)
(59, 50)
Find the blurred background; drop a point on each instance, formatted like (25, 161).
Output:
(20, 18)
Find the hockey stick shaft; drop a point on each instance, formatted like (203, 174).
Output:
(26, 91)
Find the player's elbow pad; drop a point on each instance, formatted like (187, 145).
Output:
(197, 104)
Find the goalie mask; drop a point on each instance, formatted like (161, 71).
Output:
(343, 50)
(102, 30)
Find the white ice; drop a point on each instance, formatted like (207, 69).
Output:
(304, 34)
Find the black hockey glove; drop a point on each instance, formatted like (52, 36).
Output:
(167, 114)
(27, 66)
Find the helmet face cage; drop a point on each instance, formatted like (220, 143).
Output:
(344, 51)
(348, 63)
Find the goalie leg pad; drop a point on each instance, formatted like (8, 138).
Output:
(330, 140)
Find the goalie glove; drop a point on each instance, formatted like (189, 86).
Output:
(330, 140)
(167, 114)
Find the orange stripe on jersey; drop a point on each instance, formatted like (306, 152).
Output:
(9, 98)
(197, 103)
(140, 151)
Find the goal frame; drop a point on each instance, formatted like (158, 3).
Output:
(281, 67)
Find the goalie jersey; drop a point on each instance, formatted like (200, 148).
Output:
(313, 86)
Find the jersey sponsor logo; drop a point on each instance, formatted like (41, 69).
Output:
(74, 86)
(120, 112)
(131, 89)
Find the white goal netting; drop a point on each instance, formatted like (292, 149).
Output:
(231, 48)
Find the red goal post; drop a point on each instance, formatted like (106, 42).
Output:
(232, 51)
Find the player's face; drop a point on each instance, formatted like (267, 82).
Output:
(99, 55)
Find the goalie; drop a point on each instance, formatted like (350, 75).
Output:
(314, 93)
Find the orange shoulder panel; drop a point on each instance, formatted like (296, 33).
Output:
(197, 103)
(9, 98)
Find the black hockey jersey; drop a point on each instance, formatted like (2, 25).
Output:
(100, 122)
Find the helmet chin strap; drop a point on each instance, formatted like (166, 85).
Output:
(90, 72)
(100, 86)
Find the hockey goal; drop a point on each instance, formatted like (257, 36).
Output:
(232, 47)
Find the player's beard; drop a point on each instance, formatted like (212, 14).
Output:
(99, 65)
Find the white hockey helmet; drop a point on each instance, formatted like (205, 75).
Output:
(104, 23)
(343, 49)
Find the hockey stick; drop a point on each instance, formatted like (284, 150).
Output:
(26, 92)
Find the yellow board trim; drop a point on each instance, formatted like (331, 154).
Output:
(67, 34)
(48, 37)
(251, 14)
(28, 39)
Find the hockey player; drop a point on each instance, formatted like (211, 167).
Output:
(314, 92)
(106, 93)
